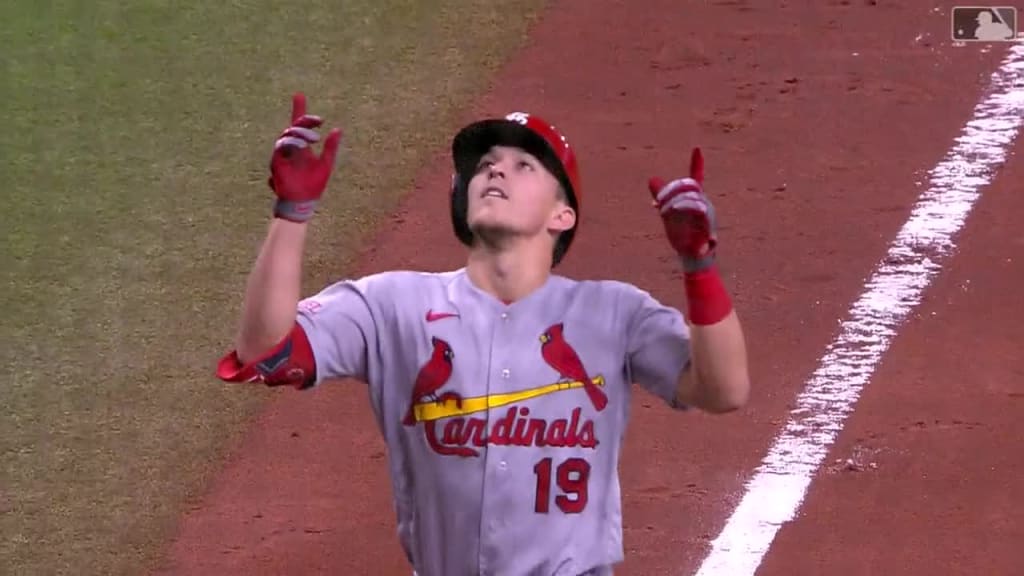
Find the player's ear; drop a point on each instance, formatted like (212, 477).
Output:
(563, 217)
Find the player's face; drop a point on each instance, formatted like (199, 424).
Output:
(513, 194)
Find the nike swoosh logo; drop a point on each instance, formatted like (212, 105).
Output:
(435, 316)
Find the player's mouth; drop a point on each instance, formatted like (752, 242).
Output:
(495, 192)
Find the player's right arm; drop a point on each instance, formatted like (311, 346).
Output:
(271, 345)
(272, 291)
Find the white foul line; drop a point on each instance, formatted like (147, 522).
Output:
(779, 484)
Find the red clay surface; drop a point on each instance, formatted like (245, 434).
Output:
(816, 125)
(927, 476)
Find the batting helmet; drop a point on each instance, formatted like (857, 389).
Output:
(518, 130)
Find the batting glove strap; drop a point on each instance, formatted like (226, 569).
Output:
(691, 265)
(294, 211)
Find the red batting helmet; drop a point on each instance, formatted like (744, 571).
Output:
(518, 130)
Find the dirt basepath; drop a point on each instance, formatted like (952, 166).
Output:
(927, 477)
(816, 125)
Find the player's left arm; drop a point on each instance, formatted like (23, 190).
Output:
(688, 365)
(716, 377)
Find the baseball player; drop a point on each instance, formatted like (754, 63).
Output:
(501, 389)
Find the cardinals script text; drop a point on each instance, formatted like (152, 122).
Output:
(462, 436)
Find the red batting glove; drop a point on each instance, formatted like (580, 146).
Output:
(689, 220)
(688, 216)
(297, 175)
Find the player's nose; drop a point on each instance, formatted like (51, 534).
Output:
(496, 170)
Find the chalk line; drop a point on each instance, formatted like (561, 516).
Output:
(777, 489)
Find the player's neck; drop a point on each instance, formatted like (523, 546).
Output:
(509, 273)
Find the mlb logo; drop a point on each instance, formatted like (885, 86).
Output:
(984, 24)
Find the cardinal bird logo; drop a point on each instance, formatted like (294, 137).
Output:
(432, 376)
(561, 356)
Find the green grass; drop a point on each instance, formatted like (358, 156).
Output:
(133, 162)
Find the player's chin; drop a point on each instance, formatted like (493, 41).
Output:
(488, 217)
(493, 228)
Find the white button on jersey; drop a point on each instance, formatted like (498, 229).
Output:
(504, 315)
(506, 373)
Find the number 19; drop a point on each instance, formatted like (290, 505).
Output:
(571, 476)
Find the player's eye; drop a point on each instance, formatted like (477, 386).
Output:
(525, 164)
(485, 163)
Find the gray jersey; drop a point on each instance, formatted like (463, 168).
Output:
(503, 422)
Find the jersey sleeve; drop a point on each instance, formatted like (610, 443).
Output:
(340, 327)
(658, 347)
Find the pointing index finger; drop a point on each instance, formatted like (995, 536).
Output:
(697, 165)
(298, 106)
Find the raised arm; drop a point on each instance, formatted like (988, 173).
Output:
(268, 336)
(273, 290)
(716, 379)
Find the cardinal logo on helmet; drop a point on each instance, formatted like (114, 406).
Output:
(520, 117)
